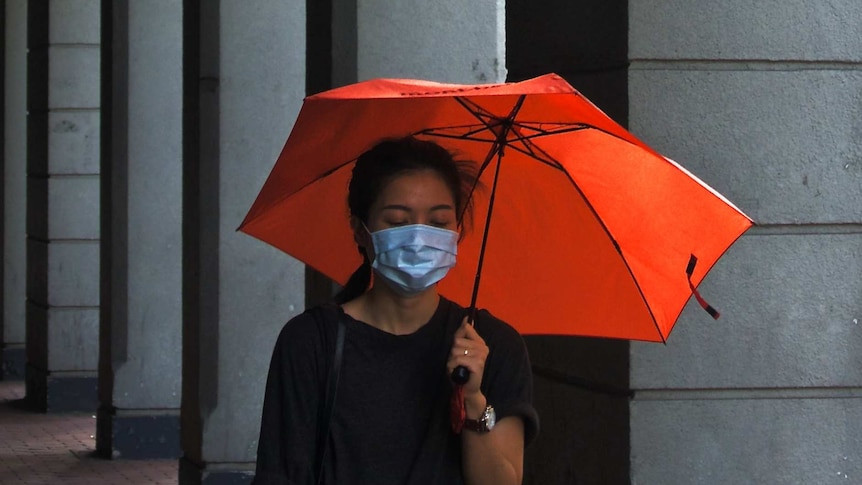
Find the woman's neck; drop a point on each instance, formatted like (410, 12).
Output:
(390, 312)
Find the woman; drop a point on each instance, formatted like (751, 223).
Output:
(390, 422)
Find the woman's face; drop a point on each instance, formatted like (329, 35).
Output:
(420, 197)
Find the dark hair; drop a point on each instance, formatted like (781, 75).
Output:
(388, 159)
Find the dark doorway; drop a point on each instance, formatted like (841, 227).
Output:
(580, 383)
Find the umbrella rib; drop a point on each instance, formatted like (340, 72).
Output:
(531, 150)
(478, 111)
(483, 115)
(497, 149)
(564, 128)
(534, 127)
(473, 130)
(467, 136)
(538, 132)
(550, 161)
(286, 195)
(524, 140)
(619, 251)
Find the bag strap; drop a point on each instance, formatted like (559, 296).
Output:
(324, 421)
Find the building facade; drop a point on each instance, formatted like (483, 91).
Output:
(137, 133)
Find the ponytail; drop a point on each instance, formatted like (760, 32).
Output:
(357, 284)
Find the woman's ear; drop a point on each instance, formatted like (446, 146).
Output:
(360, 233)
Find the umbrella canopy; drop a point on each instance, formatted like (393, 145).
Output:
(592, 231)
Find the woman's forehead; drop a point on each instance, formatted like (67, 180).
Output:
(424, 187)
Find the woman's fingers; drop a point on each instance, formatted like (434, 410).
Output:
(468, 350)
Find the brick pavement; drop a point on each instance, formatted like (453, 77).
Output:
(38, 448)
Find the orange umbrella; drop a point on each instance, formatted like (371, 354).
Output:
(592, 232)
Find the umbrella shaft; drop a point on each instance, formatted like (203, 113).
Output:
(499, 149)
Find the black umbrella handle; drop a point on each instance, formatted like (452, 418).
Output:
(460, 375)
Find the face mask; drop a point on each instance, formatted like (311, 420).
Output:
(412, 258)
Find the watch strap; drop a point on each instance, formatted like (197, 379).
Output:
(480, 425)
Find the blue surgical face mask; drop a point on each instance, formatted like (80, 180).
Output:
(413, 258)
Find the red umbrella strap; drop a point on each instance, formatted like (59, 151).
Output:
(457, 413)
(706, 306)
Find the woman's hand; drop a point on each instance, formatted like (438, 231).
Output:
(469, 350)
(495, 457)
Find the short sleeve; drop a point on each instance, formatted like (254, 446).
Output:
(508, 379)
(288, 431)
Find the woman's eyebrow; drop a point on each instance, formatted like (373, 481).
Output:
(442, 207)
(408, 209)
(397, 207)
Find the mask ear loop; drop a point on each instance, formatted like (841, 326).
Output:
(365, 250)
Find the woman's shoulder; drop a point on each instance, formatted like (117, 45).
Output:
(498, 333)
(488, 325)
(311, 327)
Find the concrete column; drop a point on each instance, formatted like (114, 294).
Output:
(762, 101)
(63, 204)
(447, 40)
(244, 89)
(14, 190)
(141, 284)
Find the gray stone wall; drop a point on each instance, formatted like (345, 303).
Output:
(764, 102)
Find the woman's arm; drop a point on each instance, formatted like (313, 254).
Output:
(497, 456)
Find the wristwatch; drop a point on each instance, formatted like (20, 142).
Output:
(485, 423)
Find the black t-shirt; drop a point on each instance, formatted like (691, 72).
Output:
(390, 422)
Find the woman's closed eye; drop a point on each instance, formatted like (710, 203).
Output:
(396, 223)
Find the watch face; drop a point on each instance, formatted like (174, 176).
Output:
(485, 423)
(491, 419)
